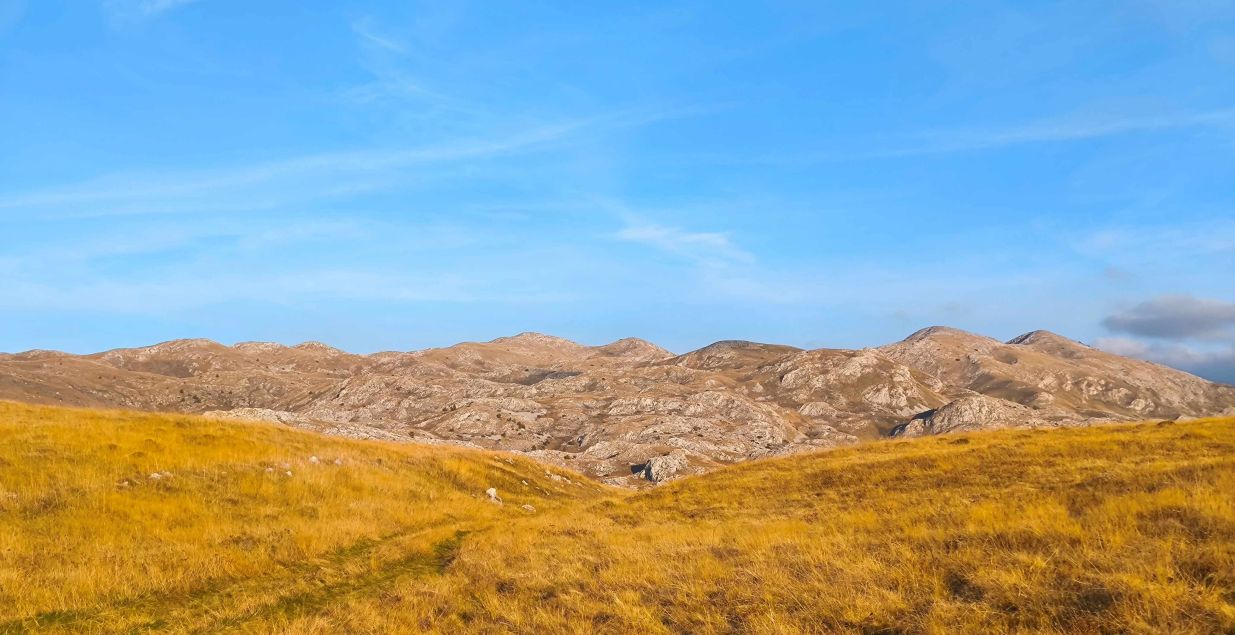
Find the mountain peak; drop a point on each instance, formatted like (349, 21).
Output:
(723, 345)
(316, 347)
(941, 331)
(1052, 344)
(531, 338)
(634, 347)
(734, 354)
(175, 346)
(258, 347)
(1042, 337)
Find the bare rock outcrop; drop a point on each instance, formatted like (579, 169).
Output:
(975, 412)
(662, 468)
(1041, 369)
(629, 413)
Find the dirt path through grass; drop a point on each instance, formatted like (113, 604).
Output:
(296, 590)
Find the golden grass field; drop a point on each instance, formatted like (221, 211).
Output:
(1113, 529)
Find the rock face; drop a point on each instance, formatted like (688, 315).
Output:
(663, 468)
(630, 412)
(975, 412)
(1058, 376)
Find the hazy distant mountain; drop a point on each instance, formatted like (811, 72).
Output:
(630, 410)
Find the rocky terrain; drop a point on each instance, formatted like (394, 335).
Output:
(630, 412)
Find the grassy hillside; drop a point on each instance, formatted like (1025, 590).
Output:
(1112, 529)
(239, 528)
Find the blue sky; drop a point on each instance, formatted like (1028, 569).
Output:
(396, 175)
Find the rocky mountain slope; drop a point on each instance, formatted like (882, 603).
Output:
(630, 412)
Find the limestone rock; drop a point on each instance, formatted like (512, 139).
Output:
(601, 410)
(662, 468)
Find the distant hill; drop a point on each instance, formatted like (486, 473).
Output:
(610, 411)
(114, 521)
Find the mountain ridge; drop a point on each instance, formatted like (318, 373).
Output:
(606, 410)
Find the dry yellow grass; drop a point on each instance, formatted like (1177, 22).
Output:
(1112, 529)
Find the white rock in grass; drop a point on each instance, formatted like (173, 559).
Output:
(314, 460)
(493, 497)
(155, 476)
(663, 468)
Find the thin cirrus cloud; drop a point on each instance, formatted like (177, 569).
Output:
(159, 6)
(961, 140)
(366, 30)
(143, 8)
(181, 294)
(1089, 127)
(705, 248)
(130, 240)
(272, 183)
(1207, 237)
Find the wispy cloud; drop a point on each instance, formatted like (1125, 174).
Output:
(394, 85)
(958, 140)
(129, 9)
(159, 6)
(706, 248)
(366, 29)
(1196, 238)
(1060, 130)
(142, 238)
(173, 294)
(272, 183)
(169, 266)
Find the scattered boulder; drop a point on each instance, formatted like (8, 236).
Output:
(314, 460)
(974, 412)
(528, 508)
(662, 468)
(493, 497)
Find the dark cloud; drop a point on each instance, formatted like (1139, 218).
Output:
(1176, 317)
(1214, 364)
